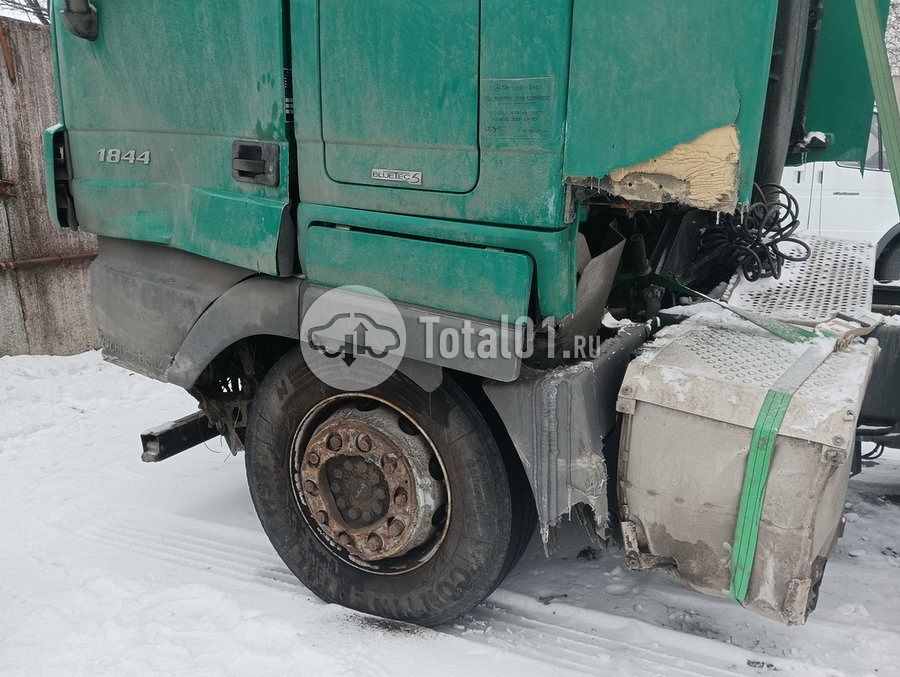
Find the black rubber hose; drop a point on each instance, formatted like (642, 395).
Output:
(752, 241)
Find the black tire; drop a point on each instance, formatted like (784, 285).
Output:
(525, 525)
(888, 266)
(489, 522)
(522, 495)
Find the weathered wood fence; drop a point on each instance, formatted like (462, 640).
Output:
(44, 278)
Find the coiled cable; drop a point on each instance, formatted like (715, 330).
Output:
(751, 240)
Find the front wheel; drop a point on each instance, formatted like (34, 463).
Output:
(395, 502)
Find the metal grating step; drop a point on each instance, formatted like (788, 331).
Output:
(837, 278)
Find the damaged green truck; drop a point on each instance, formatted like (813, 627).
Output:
(531, 191)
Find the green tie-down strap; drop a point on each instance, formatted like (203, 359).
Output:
(788, 332)
(759, 460)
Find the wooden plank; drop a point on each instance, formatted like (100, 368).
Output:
(13, 340)
(55, 300)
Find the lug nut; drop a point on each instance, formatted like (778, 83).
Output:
(322, 517)
(345, 539)
(335, 442)
(395, 527)
(364, 443)
(353, 513)
(313, 459)
(389, 464)
(311, 487)
(374, 542)
(400, 498)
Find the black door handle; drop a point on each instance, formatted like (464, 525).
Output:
(255, 162)
(248, 167)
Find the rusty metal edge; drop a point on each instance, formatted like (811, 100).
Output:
(7, 54)
(45, 261)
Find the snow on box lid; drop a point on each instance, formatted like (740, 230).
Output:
(719, 371)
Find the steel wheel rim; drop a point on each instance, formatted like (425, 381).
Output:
(322, 418)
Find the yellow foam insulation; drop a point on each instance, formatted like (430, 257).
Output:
(702, 173)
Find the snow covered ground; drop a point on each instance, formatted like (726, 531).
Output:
(108, 565)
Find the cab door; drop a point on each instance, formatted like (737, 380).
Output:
(177, 127)
(400, 92)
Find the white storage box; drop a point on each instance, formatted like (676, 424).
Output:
(691, 402)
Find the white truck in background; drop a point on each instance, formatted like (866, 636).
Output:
(838, 200)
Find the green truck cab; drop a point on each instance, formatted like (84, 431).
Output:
(508, 171)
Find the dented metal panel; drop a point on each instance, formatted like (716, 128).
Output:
(702, 173)
(635, 95)
(557, 420)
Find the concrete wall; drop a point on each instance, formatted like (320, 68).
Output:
(44, 309)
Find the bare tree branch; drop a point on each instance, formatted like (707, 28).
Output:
(39, 10)
(34, 10)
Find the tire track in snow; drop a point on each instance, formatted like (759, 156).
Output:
(516, 622)
(211, 555)
(178, 550)
(612, 638)
(524, 621)
(178, 535)
(239, 562)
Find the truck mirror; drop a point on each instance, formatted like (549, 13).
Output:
(81, 19)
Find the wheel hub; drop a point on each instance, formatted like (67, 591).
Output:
(359, 489)
(366, 480)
